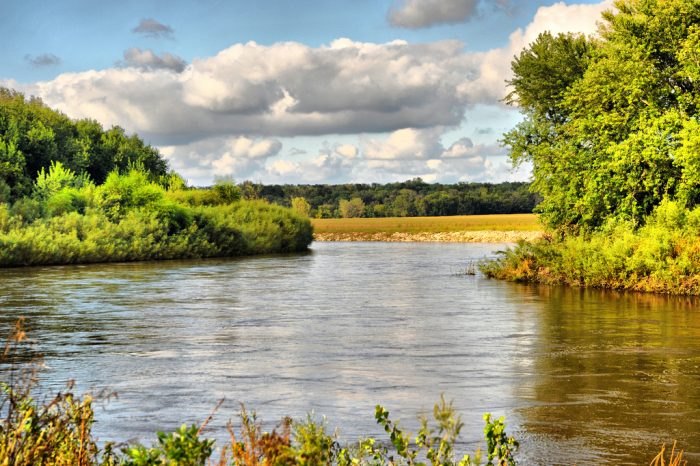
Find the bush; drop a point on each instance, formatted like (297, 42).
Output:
(662, 256)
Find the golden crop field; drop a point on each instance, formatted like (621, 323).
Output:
(504, 222)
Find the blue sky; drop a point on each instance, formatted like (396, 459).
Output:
(284, 91)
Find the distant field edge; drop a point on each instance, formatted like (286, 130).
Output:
(463, 228)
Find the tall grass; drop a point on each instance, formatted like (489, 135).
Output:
(662, 256)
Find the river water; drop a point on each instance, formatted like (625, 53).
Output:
(582, 377)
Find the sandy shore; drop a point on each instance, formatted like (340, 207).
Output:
(486, 236)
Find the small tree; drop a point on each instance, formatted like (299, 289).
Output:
(355, 207)
(301, 206)
(226, 189)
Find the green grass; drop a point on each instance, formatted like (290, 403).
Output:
(504, 222)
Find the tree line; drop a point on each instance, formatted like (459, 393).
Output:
(406, 199)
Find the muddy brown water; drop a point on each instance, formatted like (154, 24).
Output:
(582, 376)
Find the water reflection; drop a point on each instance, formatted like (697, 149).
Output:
(614, 375)
(584, 377)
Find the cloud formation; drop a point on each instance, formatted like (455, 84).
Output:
(241, 157)
(149, 60)
(215, 114)
(149, 27)
(284, 89)
(43, 60)
(415, 14)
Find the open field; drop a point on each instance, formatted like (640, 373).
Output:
(462, 228)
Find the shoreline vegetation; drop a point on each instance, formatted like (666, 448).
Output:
(73, 193)
(611, 127)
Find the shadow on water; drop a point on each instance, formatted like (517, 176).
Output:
(613, 376)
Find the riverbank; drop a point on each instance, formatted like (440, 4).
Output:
(502, 228)
(662, 256)
(479, 236)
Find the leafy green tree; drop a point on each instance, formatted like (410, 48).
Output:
(226, 190)
(612, 136)
(12, 164)
(353, 208)
(404, 204)
(250, 190)
(301, 206)
(57, 179)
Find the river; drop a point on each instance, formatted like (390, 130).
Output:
(582, 376)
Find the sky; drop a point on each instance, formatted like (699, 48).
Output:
(291, 91)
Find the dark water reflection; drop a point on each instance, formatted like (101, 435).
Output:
(585, 377)
(613, 375)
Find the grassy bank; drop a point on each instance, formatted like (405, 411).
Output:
(463, 228)
(663, 256)
(70, 220)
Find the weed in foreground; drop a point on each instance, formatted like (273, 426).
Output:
(674, 459)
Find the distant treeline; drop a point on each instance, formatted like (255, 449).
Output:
(407, 199)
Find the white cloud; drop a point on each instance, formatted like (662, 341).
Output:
(279, 90)
(326, 167)
(412, 93)
(241, 157)
(494, 65)
(348, 151)
(405, 144)
(284, 168)
(288, 89)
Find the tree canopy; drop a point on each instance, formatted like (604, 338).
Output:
(32, 136)
(612, 123)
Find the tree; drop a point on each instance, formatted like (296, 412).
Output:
(404, 204)
(301, 206)
(610, 136)
(226, 189)
(355, 207)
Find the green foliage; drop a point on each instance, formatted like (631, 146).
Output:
(312, 444)
(131, 218)
(301, 206)
(226, 190)
(615, 131)
(353, 208)
(409, 198)
(545, 70)
(33, 137)
(58, 178)
(499, 446)
(180, 448)
(661, 256)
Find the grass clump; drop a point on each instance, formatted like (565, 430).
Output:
(675, 457)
